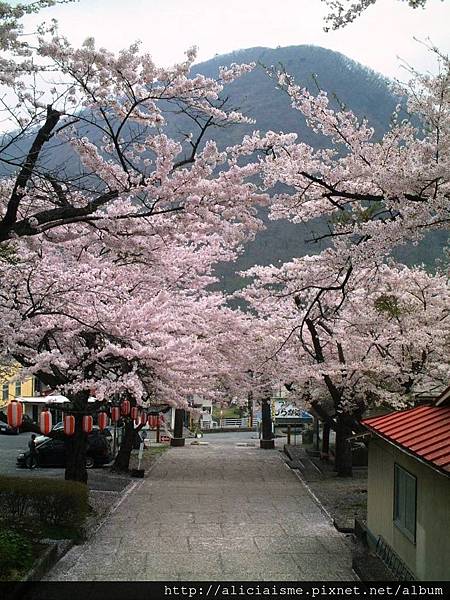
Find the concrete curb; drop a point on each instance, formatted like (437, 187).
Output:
(55, 551)
(311, 493)
(129, 489)
(156, 461)
(321, 506)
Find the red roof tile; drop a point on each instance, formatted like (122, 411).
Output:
(423, 431)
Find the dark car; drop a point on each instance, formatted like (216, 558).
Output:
(6, 429)
(57, 427)
(52, 453)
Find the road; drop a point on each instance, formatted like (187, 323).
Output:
(100, 478)
(11, 445)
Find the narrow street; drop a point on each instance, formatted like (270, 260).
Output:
(215, 512)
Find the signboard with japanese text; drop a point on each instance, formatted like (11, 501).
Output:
(284, 412)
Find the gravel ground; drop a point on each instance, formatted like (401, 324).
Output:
(150, 456)
(101, 503)
(345, 498)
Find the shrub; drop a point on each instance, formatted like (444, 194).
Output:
(16, 553)
(49, 501)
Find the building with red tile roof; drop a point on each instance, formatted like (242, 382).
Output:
(409, 487)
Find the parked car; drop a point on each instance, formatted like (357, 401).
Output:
(52, 452)
(109, 431)
(60, 426)
(7, 430)
(57, 427)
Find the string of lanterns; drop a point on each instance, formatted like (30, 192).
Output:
(140, 417)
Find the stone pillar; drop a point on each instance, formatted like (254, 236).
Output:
(178, 439)
(325, 442)
(250, 409)
(267, 442)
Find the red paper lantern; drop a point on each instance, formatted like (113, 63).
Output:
(102, 420)
(45, 422)
(115, 413)
(69, 424)
(125, 407)
(134, 413)
(15, 414)
(152, 421)
(87, 423)
(143, 418)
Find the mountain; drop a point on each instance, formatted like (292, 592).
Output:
(367, 93)
(355, 86)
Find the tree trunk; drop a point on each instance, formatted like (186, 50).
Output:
(76, 445)
(343, 454)
(122, 460)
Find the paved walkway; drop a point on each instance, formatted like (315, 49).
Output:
(216, 512)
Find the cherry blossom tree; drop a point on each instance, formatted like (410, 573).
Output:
(377, 339)
(375, 193)
(18, 51)
(85, 314)
(343, 12)
(324, 319)
(111, 228)
(94, 141)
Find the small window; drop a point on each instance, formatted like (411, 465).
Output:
(405, 496)
(18, 391)
(37, 386)
(5, 391)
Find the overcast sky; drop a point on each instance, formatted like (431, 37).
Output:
(379, 39)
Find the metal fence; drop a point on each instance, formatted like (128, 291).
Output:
(392, 561)
(233, 422)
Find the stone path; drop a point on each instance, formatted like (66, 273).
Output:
(216, 512)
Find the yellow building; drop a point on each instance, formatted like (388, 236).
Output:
(13, 387)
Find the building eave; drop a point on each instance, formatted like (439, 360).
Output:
(409, 453)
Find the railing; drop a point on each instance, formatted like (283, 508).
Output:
(228, 423)
(233, 423)
(392, 561)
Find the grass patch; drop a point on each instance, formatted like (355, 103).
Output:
(230, 412)
(156, 450)
(149, 456)
(50, 502)
(32, 510)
